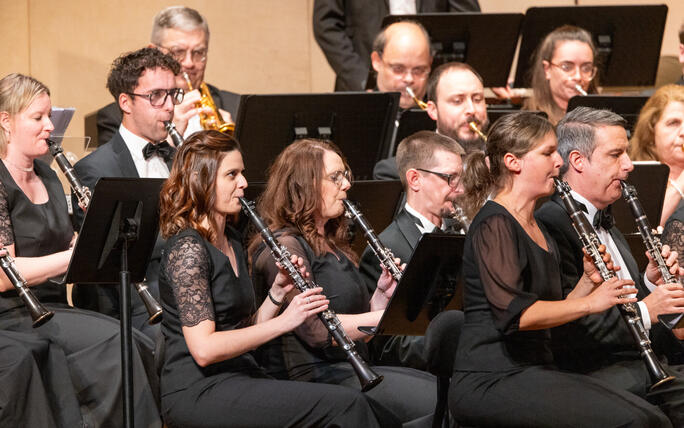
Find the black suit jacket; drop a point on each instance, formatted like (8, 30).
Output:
(595, 340)
(345, 30)
(113, 159)
(109, 116)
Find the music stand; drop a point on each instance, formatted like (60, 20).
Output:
(431, 282)
(485, 41)
(121, 224)
(622, 35)
(359, 123)
(626, 106)
(410, 122)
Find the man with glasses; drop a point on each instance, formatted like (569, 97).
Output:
(184, 34)
(144, 86)
(430, 169)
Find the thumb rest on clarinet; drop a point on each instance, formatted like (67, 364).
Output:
(83, 194)
(367, 377)
(629, 312)
(38, 312)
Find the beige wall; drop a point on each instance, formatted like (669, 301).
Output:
(257, 46)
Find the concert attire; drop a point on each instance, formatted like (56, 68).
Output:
(407, 394)
(77, 352)
(122, 156)
(673, 233)
(600, 345)
(497, 365)
(109, 116)
(197, 283)
(345, 30)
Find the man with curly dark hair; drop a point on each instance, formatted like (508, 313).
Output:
(143, 84)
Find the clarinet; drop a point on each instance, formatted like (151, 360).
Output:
(173, 133)
(83, 194)
(367, 377)
(38, 312)
(628, 311)
(383, 253)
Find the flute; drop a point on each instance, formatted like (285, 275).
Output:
(590, 241)
(367, 377)
(38, 312)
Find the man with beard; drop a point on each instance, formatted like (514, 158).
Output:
(455, 98)
(430, 168)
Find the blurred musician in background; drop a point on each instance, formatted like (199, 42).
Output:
(563, 61)
(77, 351)
(184, 34)
(144, 85)
(681, 53)
(345, 29)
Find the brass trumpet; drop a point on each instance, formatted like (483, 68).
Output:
(210, 120)
(477, 130)
(422, 104)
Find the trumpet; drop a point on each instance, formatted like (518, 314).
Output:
(210, 120)
(422, 104)
(477, 130)
(39, 314)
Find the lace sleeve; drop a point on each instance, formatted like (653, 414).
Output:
(673, 235)
(6, 234)
(187, 268)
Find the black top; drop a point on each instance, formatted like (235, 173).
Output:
(34, 229)
(197, 283)
(304, 358)
(673, 233)
(505, 273)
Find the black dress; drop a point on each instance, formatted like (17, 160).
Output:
(673, 233)
(408, 394)
(504, 376)
(197, 283)
(77, 352)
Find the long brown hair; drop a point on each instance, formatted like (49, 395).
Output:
(189, 194)
(541, 91)
(292, 197)
(642, 145)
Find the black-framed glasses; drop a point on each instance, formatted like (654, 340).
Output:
(157, 97)
(197, 55)
(587, 70)
(338, 177)
(451, 179)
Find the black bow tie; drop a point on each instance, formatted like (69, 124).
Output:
(603, 218)
(161, 149)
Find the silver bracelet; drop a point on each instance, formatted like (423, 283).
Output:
(275, 302)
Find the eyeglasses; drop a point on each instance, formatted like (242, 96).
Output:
(400, 70)
(587, 70)
(197, 55)
(157, 97)
(451, 179)
(338, 177)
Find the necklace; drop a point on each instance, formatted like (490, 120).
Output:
(20, 168)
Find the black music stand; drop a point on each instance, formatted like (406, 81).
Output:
(121, 223)
(410, 122)
(485, 41)
(622, 35)
(626, 106)
(431, 282)
(360, 123)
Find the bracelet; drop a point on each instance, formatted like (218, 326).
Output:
(275, 302)
(673, 184)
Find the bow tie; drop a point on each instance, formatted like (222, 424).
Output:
(161, 149)
(603, 218)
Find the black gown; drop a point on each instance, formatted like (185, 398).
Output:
(408, 394)
(506, 377)
(197, 283)
(77, 352)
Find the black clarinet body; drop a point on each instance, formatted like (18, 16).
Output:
(173, 133)
(83, 194)
(629, 312)
(367, 377)
(383, 253)
(39, 314)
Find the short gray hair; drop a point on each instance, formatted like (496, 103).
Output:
(179, 18)
(577, 131)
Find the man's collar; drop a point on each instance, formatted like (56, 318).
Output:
(591, 209)
(426, 225)
(134, 143)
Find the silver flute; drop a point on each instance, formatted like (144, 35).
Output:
(629, 312)
(367, 377)
(39, 313)
(383, 253)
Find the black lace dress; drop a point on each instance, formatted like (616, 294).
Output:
(77, 352)
(406, 393)
(197, 283)
(504, 376)
(673, 233)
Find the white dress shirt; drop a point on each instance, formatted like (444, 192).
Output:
(402, 7)
(154, 167)
(426, 225)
